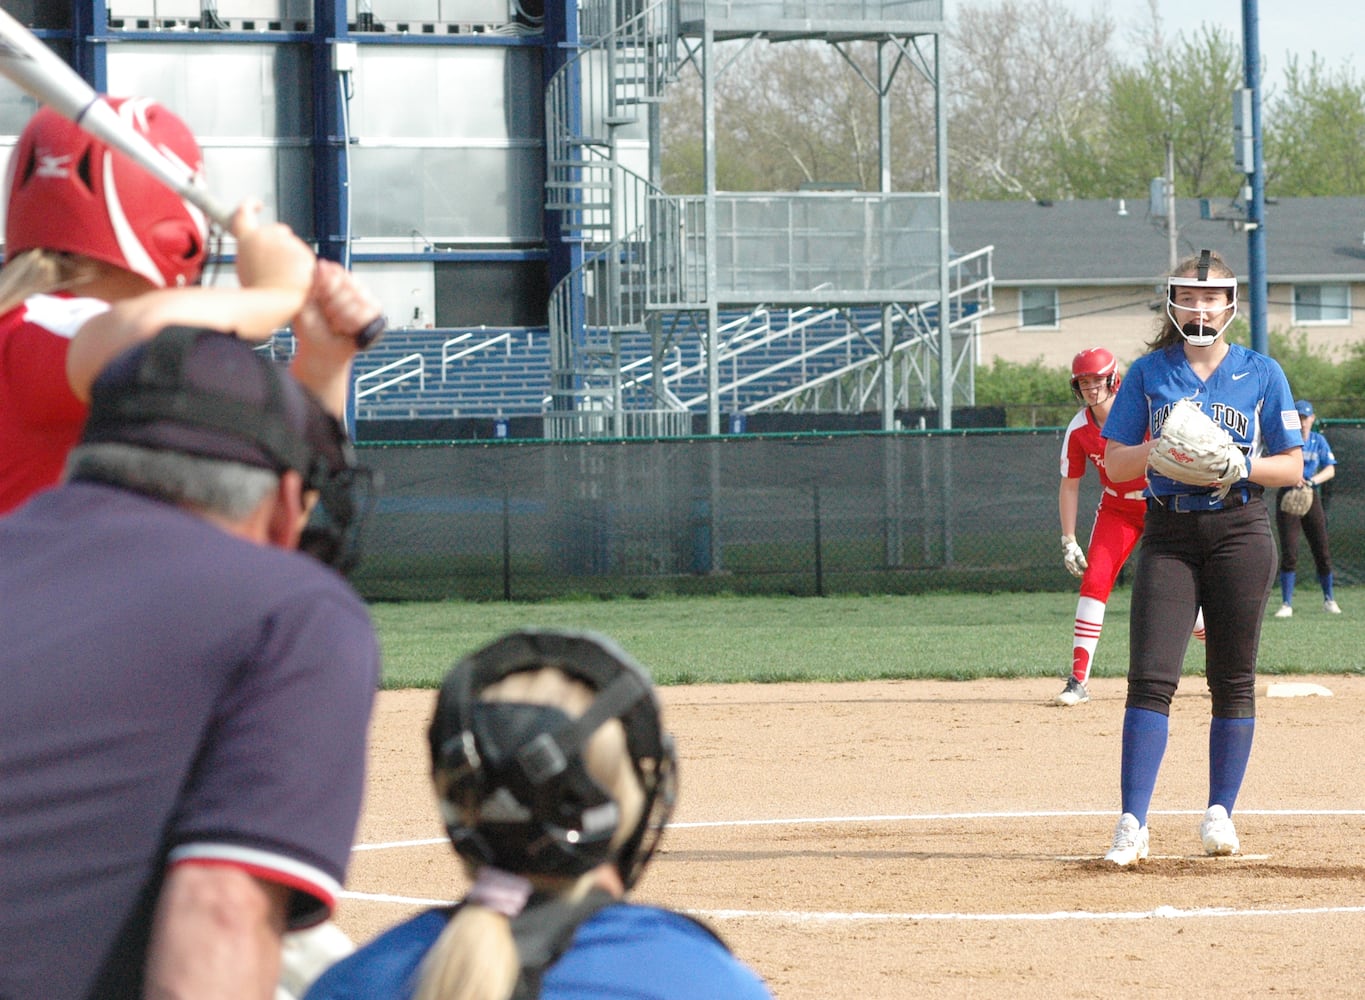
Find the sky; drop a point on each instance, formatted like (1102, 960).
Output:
(1332, 28)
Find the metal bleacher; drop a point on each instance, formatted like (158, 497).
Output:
(433, 373)
(768, 357)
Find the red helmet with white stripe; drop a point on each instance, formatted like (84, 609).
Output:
(1094, 362)
(71, 193)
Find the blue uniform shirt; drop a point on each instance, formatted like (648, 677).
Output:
(1247, 395)
(1317, 455)
(624, 951)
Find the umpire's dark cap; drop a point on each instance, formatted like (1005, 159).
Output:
(208, 394)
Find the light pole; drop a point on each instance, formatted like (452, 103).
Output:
(1255, 216)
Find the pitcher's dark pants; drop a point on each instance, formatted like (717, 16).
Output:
(1222, 560)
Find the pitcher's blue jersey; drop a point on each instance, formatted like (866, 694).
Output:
(1247, 395)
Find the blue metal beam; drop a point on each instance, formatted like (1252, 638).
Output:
(1256, 252)
(331, 180)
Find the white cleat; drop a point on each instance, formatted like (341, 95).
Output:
(1073, 694)
(1285, 612)
(1130, 842)
(1218, 834)
(1330, 606)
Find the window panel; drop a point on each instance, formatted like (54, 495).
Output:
(496, 293)
(1322, 304)
(450, 195)
(1038, 308)
(457, 97)
(223, 91)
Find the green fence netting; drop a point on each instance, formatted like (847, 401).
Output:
(807, 514)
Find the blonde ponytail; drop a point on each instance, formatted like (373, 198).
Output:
(41, 272)
(475, 958)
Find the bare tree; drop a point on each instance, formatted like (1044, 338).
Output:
(801, 113)
(1027, 77)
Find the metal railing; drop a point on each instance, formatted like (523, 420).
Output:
(394, 373)
(768, 11)
(454, 349)
(568, 425)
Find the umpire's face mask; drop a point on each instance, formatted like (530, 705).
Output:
(342, 502)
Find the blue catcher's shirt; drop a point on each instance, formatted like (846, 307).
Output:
(622, 952)
(1247, 395)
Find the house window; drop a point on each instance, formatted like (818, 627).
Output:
(1322, 304)
(1038, 308)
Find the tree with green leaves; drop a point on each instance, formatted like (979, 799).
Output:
(1315, 145)
(1182, 94)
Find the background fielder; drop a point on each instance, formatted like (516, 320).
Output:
(1319, 466)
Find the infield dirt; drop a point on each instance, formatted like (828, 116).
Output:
(920, 838)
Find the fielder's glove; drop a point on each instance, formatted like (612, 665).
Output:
(1297, 500)
(1073, 556)
(1193, 449)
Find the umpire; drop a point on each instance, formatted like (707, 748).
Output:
(186, 696)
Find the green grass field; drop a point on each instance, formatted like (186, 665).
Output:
(727, 639)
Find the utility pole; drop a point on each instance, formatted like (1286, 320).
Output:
(1172, 234)
(1255, 215)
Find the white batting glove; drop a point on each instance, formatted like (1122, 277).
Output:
(1073, 556)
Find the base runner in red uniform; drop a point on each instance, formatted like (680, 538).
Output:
(1118, 521)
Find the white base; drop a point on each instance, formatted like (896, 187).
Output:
(1296, 689)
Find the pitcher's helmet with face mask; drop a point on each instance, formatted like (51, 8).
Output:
(1193, 328)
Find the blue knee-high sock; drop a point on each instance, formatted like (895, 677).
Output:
(1229, 751)
(1144, 744)
(1326, 582)
(1287, 587)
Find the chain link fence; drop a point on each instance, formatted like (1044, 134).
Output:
(806, 514)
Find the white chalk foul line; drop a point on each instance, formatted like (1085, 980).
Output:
(912, 818)
(1160, 912)
(1035, 814)
(805, 917)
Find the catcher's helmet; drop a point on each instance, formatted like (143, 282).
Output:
(1195, 330)
(207, 394)
(71, 193)
(515, 790)
(1094, 362)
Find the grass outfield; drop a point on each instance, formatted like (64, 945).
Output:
(726, 639)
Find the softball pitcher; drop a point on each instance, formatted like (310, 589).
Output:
(1207, 540)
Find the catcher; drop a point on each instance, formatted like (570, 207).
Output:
(1302, 505)
(1214, 424)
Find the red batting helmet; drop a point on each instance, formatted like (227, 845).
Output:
(1095, 362)
(71, 193)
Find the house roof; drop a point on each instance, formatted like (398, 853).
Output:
(1089, 243)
